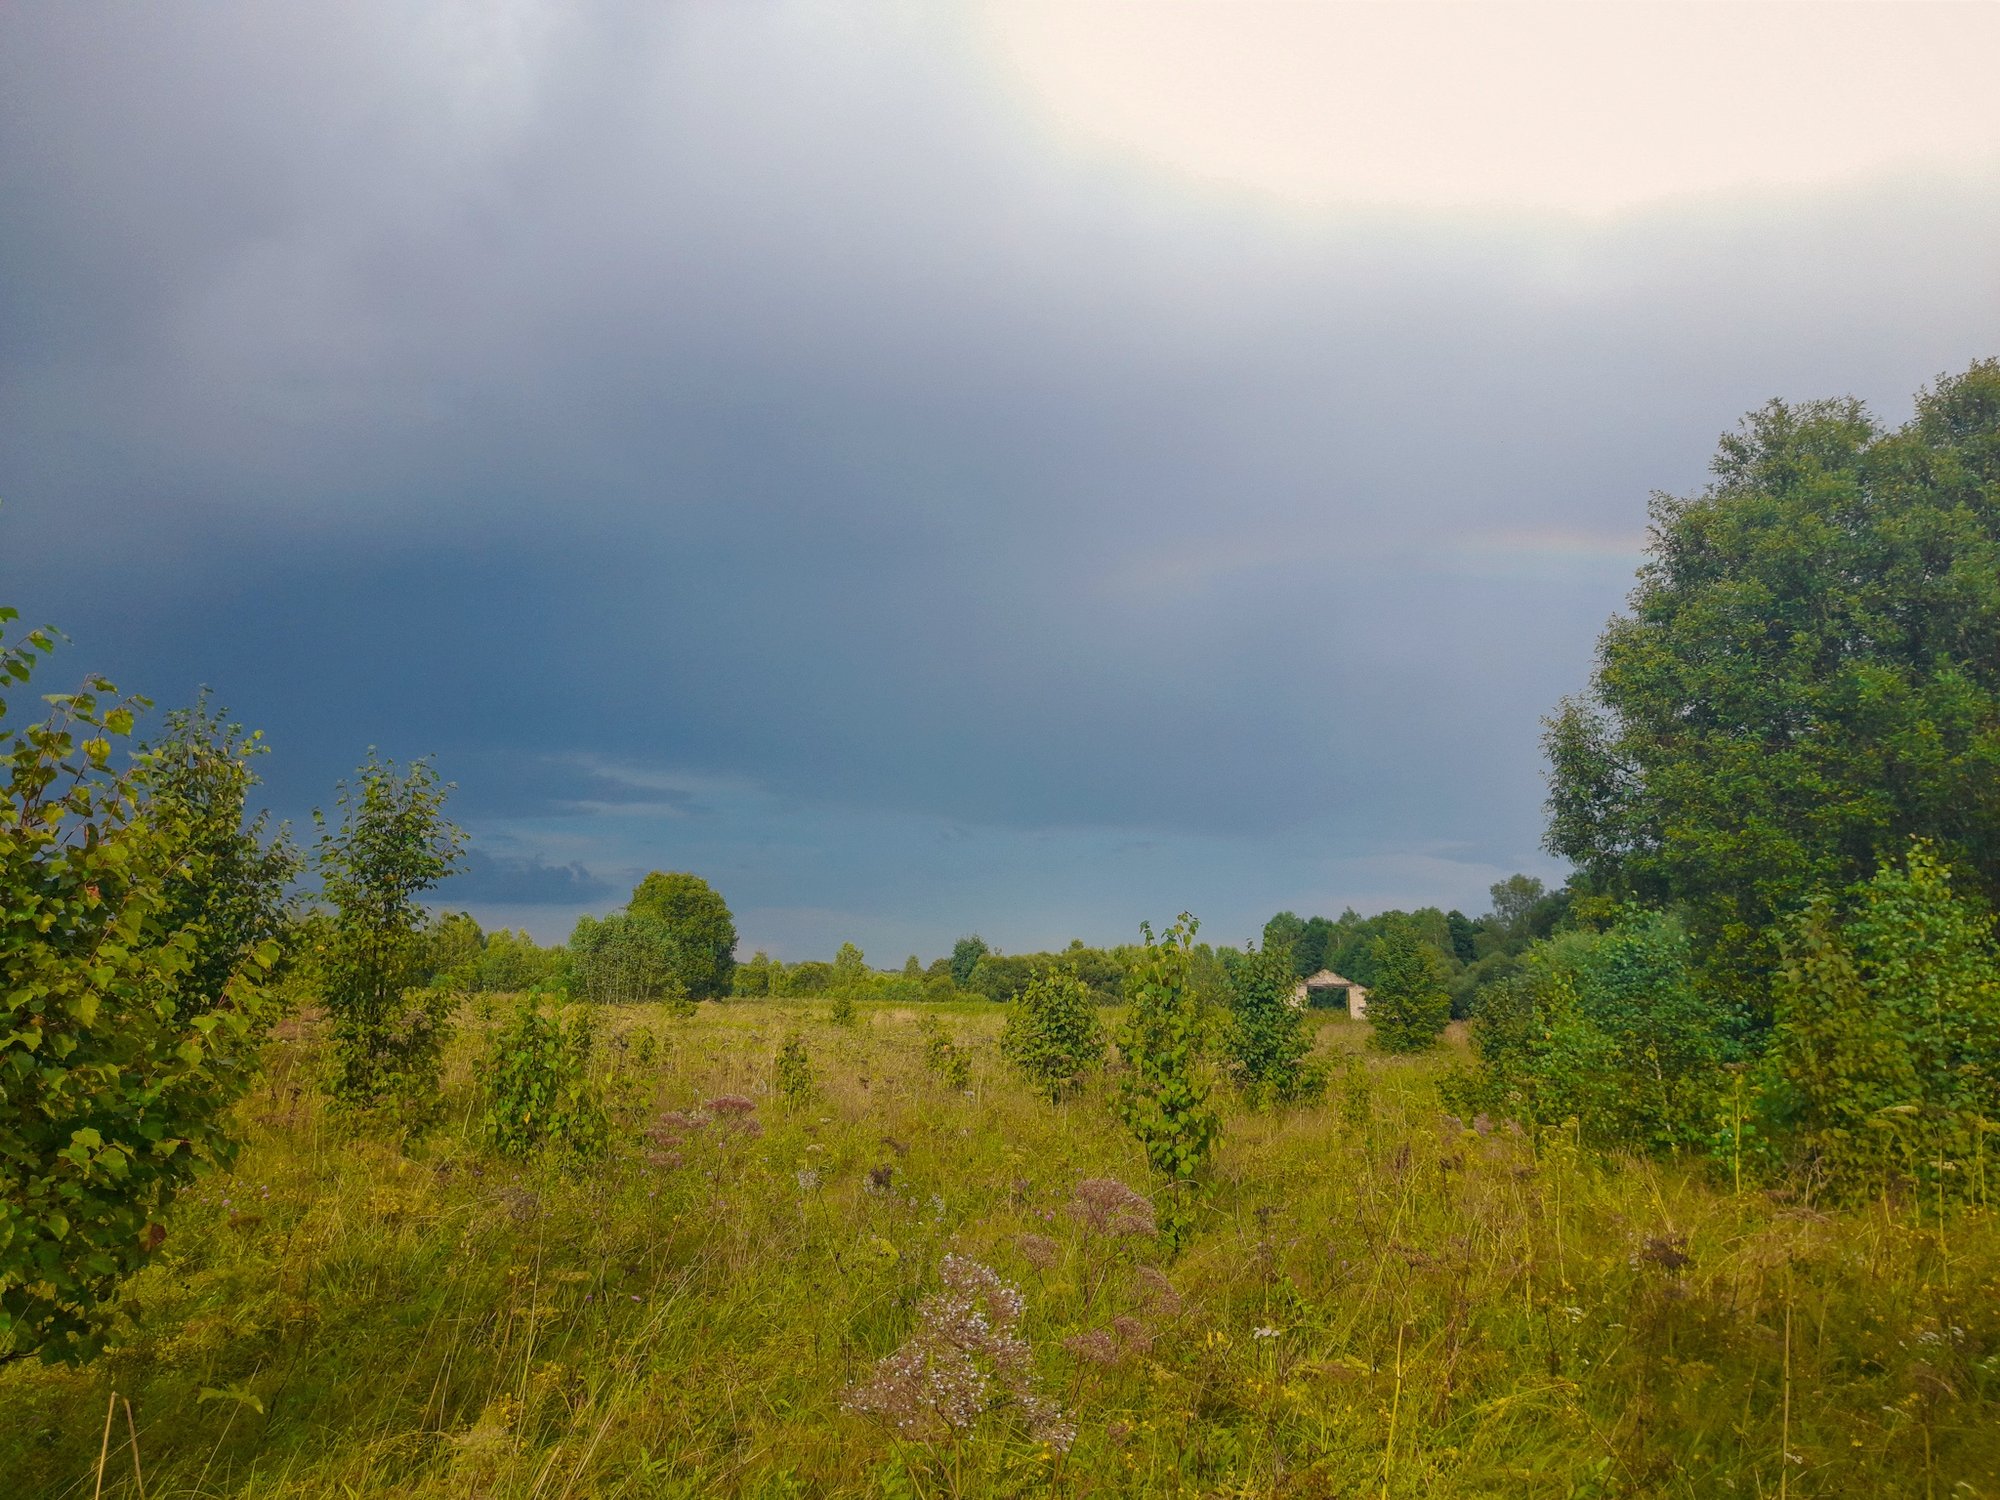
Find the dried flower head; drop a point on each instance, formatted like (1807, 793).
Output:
(879, 1178)
(1134, 1337)
(1104, 1205)
(1039, 1250)
(964, 1359)
(1097, 1347)
(1155, 1291)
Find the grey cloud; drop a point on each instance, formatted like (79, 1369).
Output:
(756, 393)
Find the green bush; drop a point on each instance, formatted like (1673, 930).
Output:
(1164, 1094)
(1885, 1062)
(944, 1057)
(393, 844)
(539, 1092)
(1606, 1028)
(1053, 1034)
(131, 1002)
(1409, 1003)
(794, 1072)
(1270, 1038)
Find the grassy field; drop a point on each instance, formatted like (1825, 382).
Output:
(1379, 1300)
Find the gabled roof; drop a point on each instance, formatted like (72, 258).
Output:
(1326, 979)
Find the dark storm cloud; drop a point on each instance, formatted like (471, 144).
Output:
(488, 881)
(717, 433)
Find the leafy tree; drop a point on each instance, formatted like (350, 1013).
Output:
(1164, 1096)
(965, 956)
(1270, 1039)
(912, 969)
(199, 777)
(850, 970)
(1409, 1003)
(1464, 934)
(1282, 933)
(1607, 1028)
(454, 943)
(130, 1007)
(759, 976)
(1885, 1063)
(1053, 1034)
(1808, 677)
(813, 976)
(509, 963)
(625, 959)
(1309, 953)
(1514, 903)
(1000, 977)
(699, 926)
(539, 1092)
(393, 844)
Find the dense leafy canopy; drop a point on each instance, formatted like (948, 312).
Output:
(130, 1005)
(699, 925)
(1809, 676)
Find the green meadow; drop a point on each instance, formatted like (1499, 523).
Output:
(1376, 1298)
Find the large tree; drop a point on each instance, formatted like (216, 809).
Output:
(1809, 675)
(697, 919)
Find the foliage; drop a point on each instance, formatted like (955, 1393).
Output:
(1053, 1034)
(1885, 1062)
(1164, 1092)
(1605, 1028)
(130, 1005)
(794, 1072)
(811, 977)
(1269, 1037)
(682, 1321)
(844, 1011)
(393, 844)
(1807, 679)
(538, 1088)
(625, 959)
(944, 1057)
(699, 928)
(760, 976)
(965, 956)
(1409, 1004)
(199, 777)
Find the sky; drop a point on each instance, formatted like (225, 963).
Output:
(1023, 469)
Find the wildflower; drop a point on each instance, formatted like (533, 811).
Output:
(1038, 1250)
(1133, 1336)
(1153, 1289)
(732, 1106)
(878, 1178)
(1265, 1332)
(807, 1179)
(1106, 1206)
(964, 1359)
(1097, 1346)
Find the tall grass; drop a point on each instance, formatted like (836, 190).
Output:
(1377, 1300)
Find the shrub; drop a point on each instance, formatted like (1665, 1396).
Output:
(1606, 1028)
(539, 1093)
(813, 977)
(1885, 1063)
(128, 1028)
(1409, 1005)
(944, 1057)
(794, 1072)
(1053, 1034)
(393, 844)
(1269, 1037)
(622, 959)
(1164, 1096)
